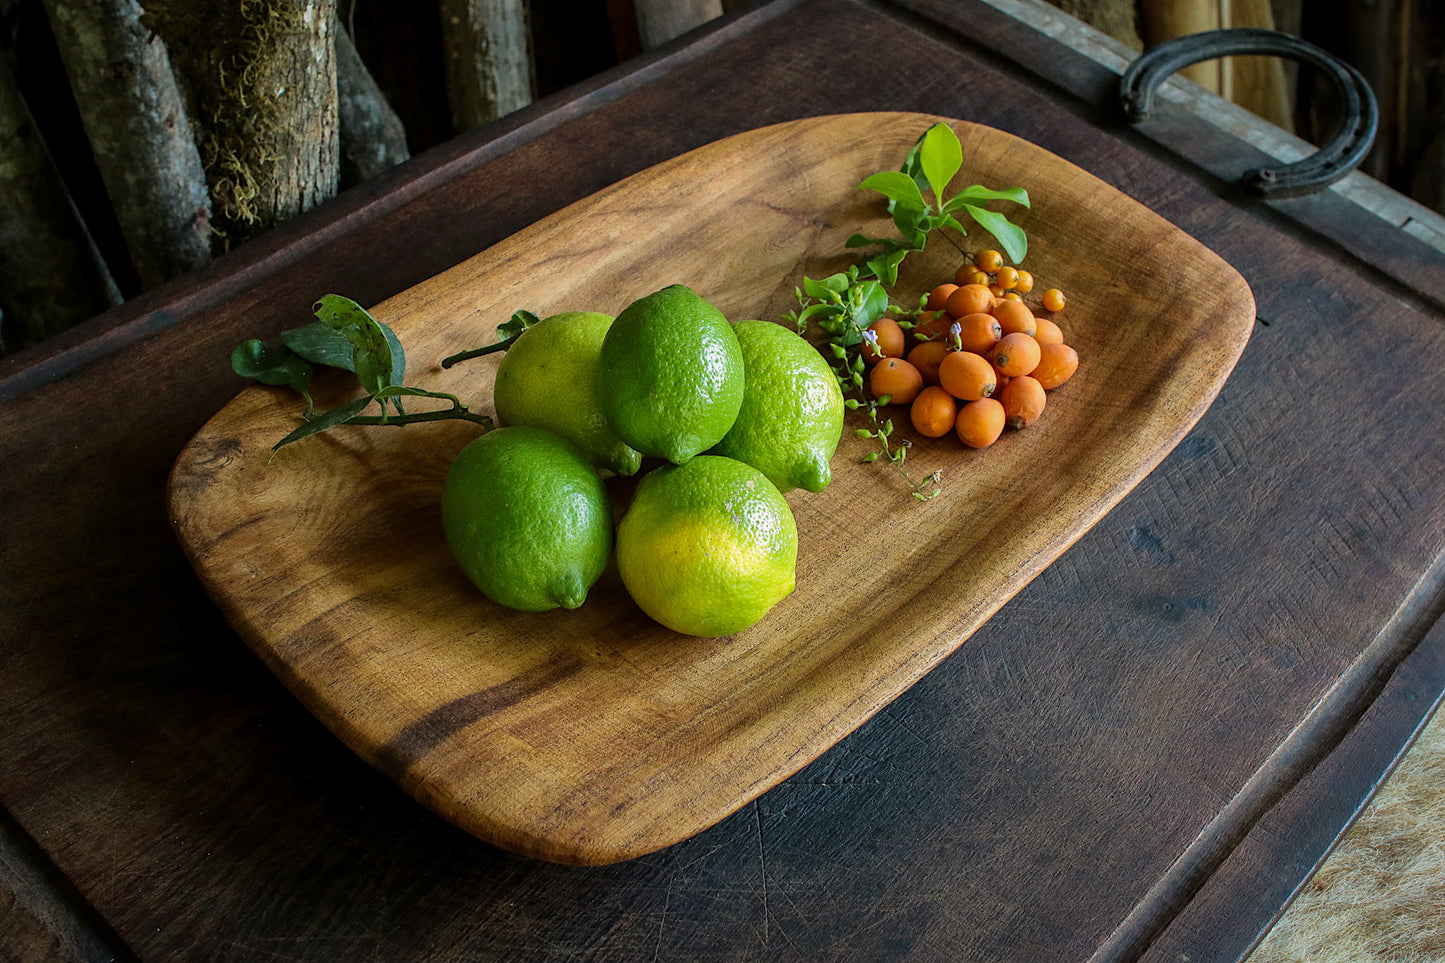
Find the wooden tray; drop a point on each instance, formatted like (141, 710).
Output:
(596, 735)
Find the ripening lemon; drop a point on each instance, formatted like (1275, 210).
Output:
(548, 379)
(671, 375)
(792, 414)
(527, 518)
(707, 547)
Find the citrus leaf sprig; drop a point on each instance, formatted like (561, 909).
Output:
(345, 336)
(929, 167)
(844, 306)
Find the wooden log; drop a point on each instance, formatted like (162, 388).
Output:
(51, 276)
(659, 21)
(262, 75)
(372, 137)
(1258, 84)
(139, 132)
(1117, 18)
(488, 60)
(1162, 20)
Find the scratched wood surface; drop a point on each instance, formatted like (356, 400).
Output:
(1090, 768)
(596, 735)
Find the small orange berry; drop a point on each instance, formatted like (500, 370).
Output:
(926, 357)
(938, 297)
(969, 299)
(966, 376)
(1023, 400)
(1057, 364)
(1015, 316)
(1015, 354)
(897, 379)
(1007, 278)
(886, 341)
(989, 261)
(980, 423)
(1025, 283)
(978, 332)
(1046, 332)
(931, 324)
(933, 412)
(1054, 300)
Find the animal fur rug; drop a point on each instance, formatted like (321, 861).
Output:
(1380, 896)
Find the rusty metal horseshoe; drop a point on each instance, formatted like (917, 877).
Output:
(1336, 158)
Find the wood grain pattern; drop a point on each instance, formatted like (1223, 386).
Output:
(595, 736)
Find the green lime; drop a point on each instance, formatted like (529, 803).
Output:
(671, 379)
(792, 414)
(527, 518)
(548, 379)
(707, 547)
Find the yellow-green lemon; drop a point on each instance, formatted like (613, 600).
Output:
(792, 414)
(527, 518)
(671, 374)
(707, 547)
(548, 379)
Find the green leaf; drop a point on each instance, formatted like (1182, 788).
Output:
(329, 419)
(871, 305)
(940, 155)
(827, 288)
(320, 344)
(885, 267)
(895, 186)
(272, 366)
(813, 309)
(977, 194)
(863, 240)
(911, 222)
(913, 164)
(520, 321)
(1011, 236)
(370, 348)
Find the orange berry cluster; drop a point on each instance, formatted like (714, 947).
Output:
(981, 360)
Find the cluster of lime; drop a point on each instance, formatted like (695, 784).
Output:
(734, 414)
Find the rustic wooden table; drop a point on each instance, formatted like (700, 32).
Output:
(1140, 757)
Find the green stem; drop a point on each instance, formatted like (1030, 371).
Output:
(502, 345)
(459, 413)
(920, 491)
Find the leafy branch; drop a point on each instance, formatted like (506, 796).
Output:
(846, 305)
(929, 167)
(345, 336)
